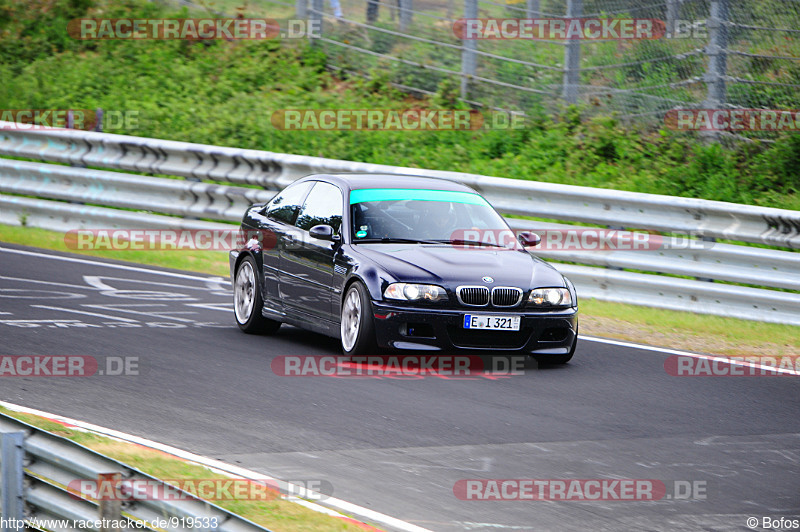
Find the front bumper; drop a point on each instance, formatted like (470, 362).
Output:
(544, 333)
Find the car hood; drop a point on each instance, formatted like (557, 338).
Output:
(452, 266)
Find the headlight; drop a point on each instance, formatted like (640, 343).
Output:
(415, 292)
(550, 297)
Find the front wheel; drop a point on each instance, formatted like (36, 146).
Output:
(357, 327)
(247, 302)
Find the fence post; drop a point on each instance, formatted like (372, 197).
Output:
(469, 59)
(572, 57)
(13, 450)
(672, 16)
(406, 13)
(301, 9)
(372, 11)
(533, 9)
(315, 20)
(717, 51)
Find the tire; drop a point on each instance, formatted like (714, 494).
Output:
(357, 329)
(247, 302)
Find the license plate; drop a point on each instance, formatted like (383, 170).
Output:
(492, 323)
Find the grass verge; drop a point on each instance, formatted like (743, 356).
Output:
(666, 328)
(211, 262)
(276, 514)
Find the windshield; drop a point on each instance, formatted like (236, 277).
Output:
(428, 216)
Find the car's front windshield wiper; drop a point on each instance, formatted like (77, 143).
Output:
(393, 240)
(461, 242)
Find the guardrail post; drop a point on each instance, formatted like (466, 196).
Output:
(109, 508)
(98, 126)
(572, 57)
(469, 59)
(706, 239)
(615, 228)
(13, 502)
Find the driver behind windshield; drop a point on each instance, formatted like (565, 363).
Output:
(437, 220)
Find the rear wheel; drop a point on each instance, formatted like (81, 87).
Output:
(357, 327)
(247, 302)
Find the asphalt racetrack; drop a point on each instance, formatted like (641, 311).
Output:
(724, 449)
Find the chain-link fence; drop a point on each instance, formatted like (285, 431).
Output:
(728, 54)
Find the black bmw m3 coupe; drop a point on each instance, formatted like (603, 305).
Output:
(387, 262)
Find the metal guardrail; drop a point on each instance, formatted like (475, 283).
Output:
(684, 256)
(38, 467)
(715, 219)
(59, 216)
(171, 196)
(683, 294)
(192, 197)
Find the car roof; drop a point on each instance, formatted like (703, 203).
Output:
(361, 181)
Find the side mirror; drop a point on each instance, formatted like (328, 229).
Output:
(528, 239)
(323, 232)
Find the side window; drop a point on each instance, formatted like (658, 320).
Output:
(323, 206)
(285, 205)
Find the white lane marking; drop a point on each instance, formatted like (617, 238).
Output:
(5, 313)
(40, 321)
(717, 358)
(482, 526)
(343, 506)
(148, 295)
(162, 315)
(226, 307)
(63, 285)
(41, 295)
(86, 313)
(97, 282)
(115, 266)
(314, 506)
